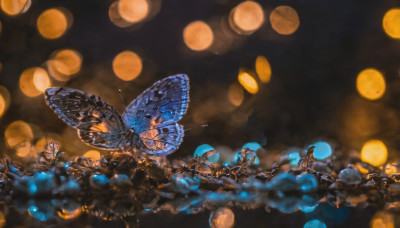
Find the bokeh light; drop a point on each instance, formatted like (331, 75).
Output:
(247, 17)
(322, 150)
(53, 23)
(65, 62)
(15, 7)
(263, 69)
(2, 219)
(374, 152)
(17, 133)
(200, 150)
(222, 218)
(133, 11)
(115, 17)
(315, 223)
(235, 94)
(198, 36)
(392, 168)
(127, 65)
(284, 20)
(382, 219)
(248, 82)
(34, 81)
(371, 84)
(5, 100)
(391, 23)
(92, 154)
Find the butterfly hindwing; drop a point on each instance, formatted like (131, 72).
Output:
(161, 141)
(157, 108)
(98, 123)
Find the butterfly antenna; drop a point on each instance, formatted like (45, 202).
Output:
(120, 97)
(188, 129)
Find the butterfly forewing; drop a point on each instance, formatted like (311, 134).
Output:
(98, 123)
(154, 114)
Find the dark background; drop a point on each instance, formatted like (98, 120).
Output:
(311, 95)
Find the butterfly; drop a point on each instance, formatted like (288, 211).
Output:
(149, 123)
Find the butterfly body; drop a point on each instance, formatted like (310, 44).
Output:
(148, 124)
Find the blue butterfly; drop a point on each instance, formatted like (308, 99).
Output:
(149, 123)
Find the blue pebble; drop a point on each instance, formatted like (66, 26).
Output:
(307, 182)
(98, 181)
(315, 223)
(70, 187)
(322, 150)
(350, 176)
(202, 149)
(283, 182)
(252, 146)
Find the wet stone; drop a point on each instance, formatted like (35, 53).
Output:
(350, 176)
(99, 181)
(307, 182)
(283, 182)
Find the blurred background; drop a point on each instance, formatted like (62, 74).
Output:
(282, 74)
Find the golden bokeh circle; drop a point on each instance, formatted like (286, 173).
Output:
(247, 17)
(127, 65)
(52, 23)
(17, 133)
(67, 61)
(15, 7)
(248, 82)
(235, 94)
(5, 100)
(284, 20)
(374, 152)
(263, 69)
(371, 84)
(133, 11)
(33, 81)
(391, 23)
(198, 35)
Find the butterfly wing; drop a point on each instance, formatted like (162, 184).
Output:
(154, 114)
(98, 123)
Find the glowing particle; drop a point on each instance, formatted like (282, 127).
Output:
(247, 17)
(315, 223)
(198, 36)
(15, 7)
(204, 148)
(235, 94)
(92, 154)
(248, 82)
(127, 65)
(294, 158)
(391, 23)
(52, 23)
(284, 20)
(371, 84)
(133, 11)
(222, 218)
(263, 69)
(374, 152)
